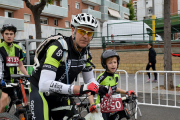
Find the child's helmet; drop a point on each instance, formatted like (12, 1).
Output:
(107, 54)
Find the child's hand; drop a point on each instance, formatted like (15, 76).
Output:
(93, 108)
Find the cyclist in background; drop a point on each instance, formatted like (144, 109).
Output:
(51, 75)
(110, 62)
(12, 55)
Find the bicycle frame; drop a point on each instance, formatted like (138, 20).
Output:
(73, 112)
(23, 91)
(24, 109)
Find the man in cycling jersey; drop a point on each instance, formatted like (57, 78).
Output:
(51, 75)
(11, 54)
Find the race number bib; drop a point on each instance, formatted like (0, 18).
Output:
(111, 104)
(12, 61)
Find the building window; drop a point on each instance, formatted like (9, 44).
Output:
(9, 14)
(67, 24)
(90, 7)
(27, 18)
(73, 16)
(55, 2)
(44, 20)
(60, 3)
(55, 22)
(77, 5)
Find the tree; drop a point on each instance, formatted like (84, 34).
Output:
(36, 11)
(167, 45)
(131, 10)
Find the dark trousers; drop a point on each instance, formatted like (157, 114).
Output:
(153, 65)
(41, 105)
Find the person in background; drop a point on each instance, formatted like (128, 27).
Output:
(12, 56)
(152, 62)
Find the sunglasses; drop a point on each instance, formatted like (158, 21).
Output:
(83, 32)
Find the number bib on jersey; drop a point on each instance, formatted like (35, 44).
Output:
(111, 104)
(12, 61)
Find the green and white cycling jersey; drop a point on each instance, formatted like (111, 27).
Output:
(107, 79)
(51, 75)
(13, 51)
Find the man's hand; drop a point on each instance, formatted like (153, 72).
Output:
(103, 90)
(130, 92)
(93, 108)
(90, 87)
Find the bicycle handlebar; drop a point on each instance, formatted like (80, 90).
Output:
(8, 84)
(58, 94)
(130, 98)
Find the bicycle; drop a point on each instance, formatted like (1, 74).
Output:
(15, 90)
(73, 113)
(129, 108)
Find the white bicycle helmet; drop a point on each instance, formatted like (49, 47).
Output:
(84, 20)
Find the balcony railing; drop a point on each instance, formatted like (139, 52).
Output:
(19, 23)
(92, 2)
(112, 5)
(126, 10)
(55, 11)
(125, 1)
(94, 13)
(11, 4)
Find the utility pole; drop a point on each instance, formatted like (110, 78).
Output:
(167, 45)
(153, 20)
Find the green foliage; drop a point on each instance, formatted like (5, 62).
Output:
(50, 1)
(131, 10)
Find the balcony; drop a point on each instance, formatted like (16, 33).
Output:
(55, 11)
(126, 10)
(92, 2)
(112, 5)
(12, 4)
(19, 23)
(125, 1)
(94, 13)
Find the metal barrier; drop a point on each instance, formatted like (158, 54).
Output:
(155, 93)
(99, 71)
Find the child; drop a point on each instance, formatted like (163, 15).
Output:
(110, 61)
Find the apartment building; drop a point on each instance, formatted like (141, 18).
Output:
(178, 6)
(59, 14)
(144, 8)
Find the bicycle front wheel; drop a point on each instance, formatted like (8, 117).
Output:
(7, 116)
